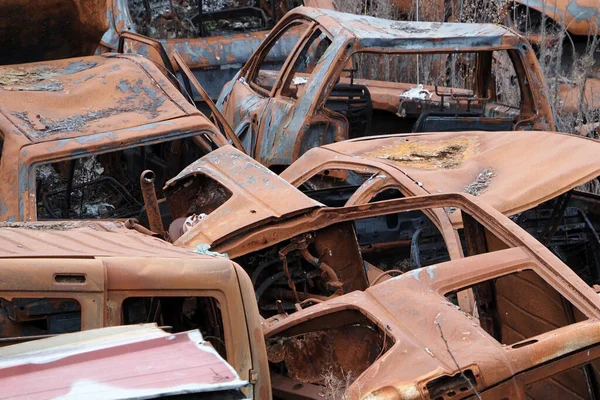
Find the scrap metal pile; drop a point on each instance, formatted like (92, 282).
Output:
(371, 208)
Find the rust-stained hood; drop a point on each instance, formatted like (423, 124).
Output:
(511, 171)
(125, 362)
(257, 195)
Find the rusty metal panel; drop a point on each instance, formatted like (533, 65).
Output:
(105, 363)
(257, 194)
(500, 168)
(127, 92)
(81, 239)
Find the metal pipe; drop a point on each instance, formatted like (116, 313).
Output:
(132, 224)
(151, 202)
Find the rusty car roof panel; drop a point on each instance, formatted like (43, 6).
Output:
(379, 32)
(82, 239)
(75, 97)
(105, 363)
(511, 171)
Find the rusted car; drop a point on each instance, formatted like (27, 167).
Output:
(105, 363)
(75, 135)
(540, 195)
(214, 38)
(346, 336)
(226, 194)
(352, 76)
(579, 18)
(60, 277)
(533, 332)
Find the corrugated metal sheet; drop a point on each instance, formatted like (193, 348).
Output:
(114, 363)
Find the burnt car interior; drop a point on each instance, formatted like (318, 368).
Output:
(322, 343)
(512, 308)
(37, 316)
(23, 317)
(434, 92)
(568, 225)
(107, 185)
(341, 258)
(179, 314)
(169, 19)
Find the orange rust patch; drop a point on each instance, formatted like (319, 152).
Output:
(423, 154)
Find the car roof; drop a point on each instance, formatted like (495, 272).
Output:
(410, 35)
(511, 171)
(82, 239)
(71, 98)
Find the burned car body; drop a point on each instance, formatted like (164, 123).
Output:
(315, 258)
(61, 277)
(77, 133)
(577, 17)
(353, 76)
(214, 39)
(415, 342)
(498, 168)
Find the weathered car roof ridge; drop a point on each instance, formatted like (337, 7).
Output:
(82, 239)
(379, 32)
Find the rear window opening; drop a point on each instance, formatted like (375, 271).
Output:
(517, 307)
(577, 383)
(107, 186)
(403, 241)
(438, 92)
(323, 343)
(179, 314)
(38, 317)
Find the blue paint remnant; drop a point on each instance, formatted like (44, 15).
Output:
(22, 188)
(78, 66)
(95, 138)
(3, 207)
(84, 79)
(581, 13)
(415, 274)
(204, 249)
(58, 144)
(431, 272)
(11, 218)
